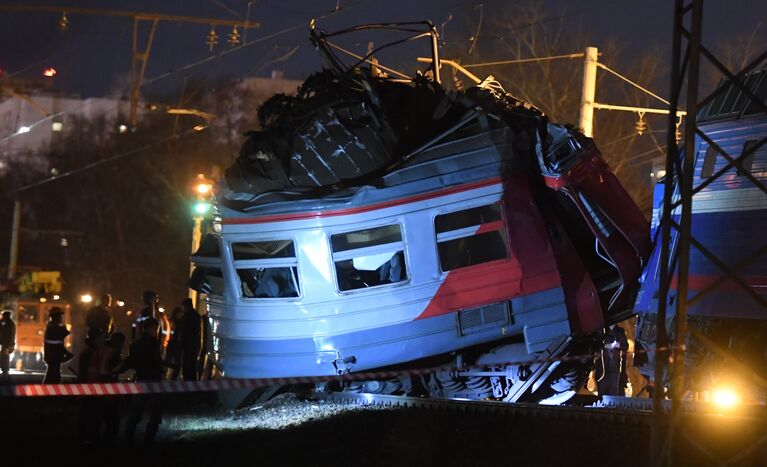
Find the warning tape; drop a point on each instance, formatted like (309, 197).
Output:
(164, 387)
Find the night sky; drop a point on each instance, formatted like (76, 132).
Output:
(93, 56)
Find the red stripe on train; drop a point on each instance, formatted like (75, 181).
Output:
(361, 209)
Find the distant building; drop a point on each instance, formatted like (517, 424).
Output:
(32, 122)
(33, 119)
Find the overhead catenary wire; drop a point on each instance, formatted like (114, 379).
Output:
(101, 162)
(240, 47)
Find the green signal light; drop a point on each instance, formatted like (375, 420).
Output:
(201, 208)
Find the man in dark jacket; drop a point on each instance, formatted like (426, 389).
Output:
(190, 340)
(99, 321)
(7, 343)
(151, 302)
(54, 351)
(145, 358)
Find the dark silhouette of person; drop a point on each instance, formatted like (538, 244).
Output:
(54, 351)
(145, 358)
(7, 343)
(613, 381)
(189, 340)
(151, 301)
(173, 352)
(99, 321)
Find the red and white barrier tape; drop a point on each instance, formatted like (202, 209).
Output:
(162, 387)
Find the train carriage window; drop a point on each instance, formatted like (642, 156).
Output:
(747, 162)
(266, 269)
(469, 237)
(369, 258)
(709, 161)
(28, 314)
(760, 92)
(207, 280)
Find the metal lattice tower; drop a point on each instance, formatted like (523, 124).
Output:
(679, 192)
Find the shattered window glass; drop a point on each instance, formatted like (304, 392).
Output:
(269, 282)
(369, 258)
(469, 237)
(207, 280)
(266, 269)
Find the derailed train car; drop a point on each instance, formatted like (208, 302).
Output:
(376, 222)
(729, 216)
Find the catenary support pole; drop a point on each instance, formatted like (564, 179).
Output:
(588, 93)
(15, 229)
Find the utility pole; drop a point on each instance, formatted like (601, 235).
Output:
(16, 226)
(588, 93)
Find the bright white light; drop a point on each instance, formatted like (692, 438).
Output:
(86, 298)
(122, 128)
(661, 173)
(43, 299)
(57, 126)
(725, 397)
(120, 303)
(56, 297)
(203, 188)
(162, 310)
(24, 129)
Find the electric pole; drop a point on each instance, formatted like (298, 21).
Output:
(588, 93)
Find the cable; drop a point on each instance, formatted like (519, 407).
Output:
(647, 91)
(100, 162)
(526, 60)
(240, 47)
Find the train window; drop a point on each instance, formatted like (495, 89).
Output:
(207, 280)
(266, 269)
(469, 237)
(28, 314)
(709, 161)
(208, 247)
(761, 93)
(747, 162)
(263, 250)
(369, 258)
(269, 282)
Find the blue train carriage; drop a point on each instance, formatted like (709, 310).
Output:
(384, 223)
(729, 217)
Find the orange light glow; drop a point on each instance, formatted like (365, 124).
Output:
(50, 72)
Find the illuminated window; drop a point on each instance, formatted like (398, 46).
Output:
(709, 161)
(266, 269)
(469, 237)
(28, 314)
(369, 258)
(57, 126)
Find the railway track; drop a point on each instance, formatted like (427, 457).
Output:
(607, 409)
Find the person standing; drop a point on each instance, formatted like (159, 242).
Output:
(151, 301)
(145, 358)
(189, 340)
(7, 343)
(99, 322)
(54, 351)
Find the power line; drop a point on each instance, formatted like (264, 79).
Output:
(101, 162)
(241, 46)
